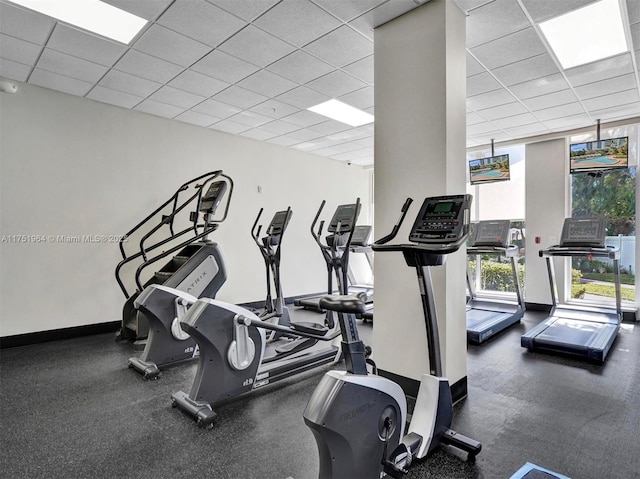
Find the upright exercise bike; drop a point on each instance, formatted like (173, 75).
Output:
(357, 419)
(163, 307)
(274, 311)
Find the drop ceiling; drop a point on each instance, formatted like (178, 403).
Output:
(252, 67)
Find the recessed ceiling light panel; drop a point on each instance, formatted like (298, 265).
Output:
(587, 34)
(92, 15)
(339, 111)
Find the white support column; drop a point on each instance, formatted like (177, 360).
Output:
(420, 139)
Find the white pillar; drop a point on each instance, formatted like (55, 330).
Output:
(420, 140)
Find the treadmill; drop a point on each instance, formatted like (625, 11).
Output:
(487, 316)
(582, 331)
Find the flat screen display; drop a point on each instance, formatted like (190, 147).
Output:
(599, 155)
(489, 170)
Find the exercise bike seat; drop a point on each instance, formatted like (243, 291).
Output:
(309, 327)
(345, 303)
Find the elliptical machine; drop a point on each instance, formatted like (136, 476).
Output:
(358, 420)
(274, 311)
(233, 347)
(163, 307)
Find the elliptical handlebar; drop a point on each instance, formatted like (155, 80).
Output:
(317, 236)
(396, 227)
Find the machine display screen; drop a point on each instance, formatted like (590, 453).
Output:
(442, 209)
(587, 231)
(343, 215)
(492, 233)
(213, 194)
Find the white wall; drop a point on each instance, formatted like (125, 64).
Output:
(546, 209)
(72, 166)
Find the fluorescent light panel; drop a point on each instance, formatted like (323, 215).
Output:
(587, 34)
(339, 111)
(93, 15)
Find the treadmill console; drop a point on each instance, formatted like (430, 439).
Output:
(442, 220)
(583, 232)
(279, 222)
(492, 233)
(345, 216)
(212, 198)
(362, 236)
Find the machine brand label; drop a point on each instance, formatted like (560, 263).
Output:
(248, 382)
(486, 334)
(197, 281)
(354, 413)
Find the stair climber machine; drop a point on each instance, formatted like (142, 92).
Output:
(274, 311)
(235, 357)
(342, 212)
(579, 330)
(487, 317)
(358, 419)
(192, 264)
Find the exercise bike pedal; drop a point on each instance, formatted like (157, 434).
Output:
(453, 438)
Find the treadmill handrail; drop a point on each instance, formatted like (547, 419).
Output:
(510, 250)
(609, 252)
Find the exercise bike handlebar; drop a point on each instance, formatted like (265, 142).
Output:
(396, 227)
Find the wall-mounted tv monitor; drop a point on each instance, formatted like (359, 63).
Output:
(599, 155)
(488, 170)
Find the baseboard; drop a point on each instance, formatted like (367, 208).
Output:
(537, 307)
(57, 334)
(411, 386)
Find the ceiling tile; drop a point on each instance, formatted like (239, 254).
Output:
(327, 151)
(145, 66)
(302, 97)
(25, 24)
(280, 127)
(611, 100)
(381, 14)
(351, 134)
(196, 118)
(159, 109)
(362, 69)
(516, 120)
(615, 112)
(198, 83)
(229, 126)
(175, 97)
(565, 122)
(346, 11)
(559, 112)
(527, 130)
(335, 84)
(482, 128)
(473, 118)
(283, 141)
(635, 36)
(258, 134)
(303, 135)
(341, 47)
(53, 81)
(549, 100)
(149, 9)
(13, 70)
(245, 9)
(609, 86)
(611, 67)
(490, 99)
(544, 9)
(304, 118)
(251, 119)
(539, 86)
(113, 97)
(201, 21)
(362, 98)
(171, 46)
(73, 67)
(300, 67)
(473, 66)
(216, 109)
(633, 8)
(239, 97)
(481, 83)
(84, 45)
(18, 50)
(297, 22)
(510, 49)
(526, 70)
(329, 127)
(117, 80)
(510, 109)
(482, 26)
(267, 83)
(224, 67)
(274, 109)
(256, 46)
